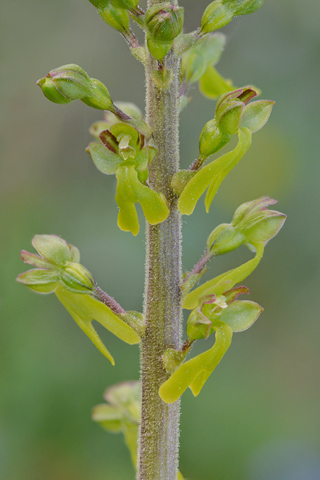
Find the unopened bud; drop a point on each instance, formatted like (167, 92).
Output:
(117, 18)
(66, 83)
(220, 12)
(164, 22)
(215, 16)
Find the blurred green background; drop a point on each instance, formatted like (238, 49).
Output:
(258, 416)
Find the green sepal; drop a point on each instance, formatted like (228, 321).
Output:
(35, 260)
(106, 161)
(212, 84)
(265, 227)
(256, 114)
(241, 315)
(195, 372)
(52, 248)
(84, 309)
(38, 276)
(223, 282)
(212, 175)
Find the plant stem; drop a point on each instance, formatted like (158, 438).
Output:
(159, 431)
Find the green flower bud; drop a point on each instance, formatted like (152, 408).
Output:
(229, 111)
(256, 114)
(99, 96)
(216, 16)
(220, 12)
(212, 139)
(117, 18)
(77, 278)
(66, 83)
(105, 160)
(164, 22)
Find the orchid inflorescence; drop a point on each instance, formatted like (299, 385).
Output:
(124, 146)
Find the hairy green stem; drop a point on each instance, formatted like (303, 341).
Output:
(159, 432)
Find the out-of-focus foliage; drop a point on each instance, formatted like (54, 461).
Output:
(259, 417)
